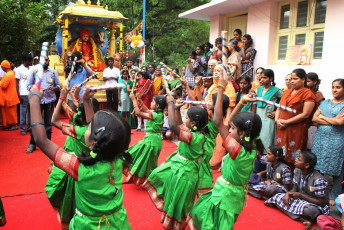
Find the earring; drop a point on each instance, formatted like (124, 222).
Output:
(194, 128)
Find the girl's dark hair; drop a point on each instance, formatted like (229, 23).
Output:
(238, 31)
(175, 70)
(249, 39)
(260, 68)
(145, 75)
(201, 47)
(125, 71)
(247, 79)
(193, 53)
(218, 40)
(309, 158)
(161, 101)
(209, 44)
(111, 136)
(314, 77)
(225, 103)
(27, 57)
(301, 73)
(199, 115)
(340, 80)
(76, 54)
(277, 151)
(251, 124)
(270, 74)
(234, 43)
(80, 118)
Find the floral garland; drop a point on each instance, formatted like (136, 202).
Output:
(94, 52)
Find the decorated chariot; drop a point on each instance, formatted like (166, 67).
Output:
(83, 28)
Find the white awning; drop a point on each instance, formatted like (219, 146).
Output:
(215, 7)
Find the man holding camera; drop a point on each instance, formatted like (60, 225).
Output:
(81, 72)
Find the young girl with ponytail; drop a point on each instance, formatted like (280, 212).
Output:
(145, 153)
(60, 186)
(266, 112)
(173, 185)
(98, 200)
(219, 208)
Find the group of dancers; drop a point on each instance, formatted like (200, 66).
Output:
(86, 175)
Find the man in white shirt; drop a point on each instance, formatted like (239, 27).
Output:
(111, 75)
(22, 74)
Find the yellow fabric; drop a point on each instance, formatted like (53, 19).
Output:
(158, 81)
(229, 92)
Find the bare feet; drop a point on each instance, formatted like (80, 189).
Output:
(307, 224)
(332, 202)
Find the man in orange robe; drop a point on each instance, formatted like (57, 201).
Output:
(8, 98)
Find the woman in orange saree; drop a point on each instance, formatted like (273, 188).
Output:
(292, 129)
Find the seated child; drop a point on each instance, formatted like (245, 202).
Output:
(278, 175)
(308, 198)
(166, 132)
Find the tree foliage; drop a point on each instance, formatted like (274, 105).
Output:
(168, 37)
(25, 24)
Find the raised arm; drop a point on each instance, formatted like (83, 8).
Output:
(188, 90)
(145, 115)
(86, 98)
(172, 118)
(55, 120)
(48, 147)
(143, 106)
(88, 69)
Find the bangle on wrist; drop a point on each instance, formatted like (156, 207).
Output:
(35, 95)
(170, 101)
(221, 86)
(79, 99)
(62, 98)
(241, 102)
(35, 124)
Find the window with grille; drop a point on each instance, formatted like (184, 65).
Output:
(301, 22)
(318, 45)
(282, 48)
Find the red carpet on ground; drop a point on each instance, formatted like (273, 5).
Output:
(23, 177)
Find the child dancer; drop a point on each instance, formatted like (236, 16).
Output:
(60, 186)
(219, 208)
(173, 185)
(98, 201)
(145, 153)
(308, 198)
(244, 89)
(146, 89)
(278, 175)
(206, 172)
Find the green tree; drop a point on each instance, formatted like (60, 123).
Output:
(168, 37)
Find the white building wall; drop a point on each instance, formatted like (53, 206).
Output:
(262, 25)
(262, 19)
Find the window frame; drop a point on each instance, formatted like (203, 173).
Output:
(310, 29)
